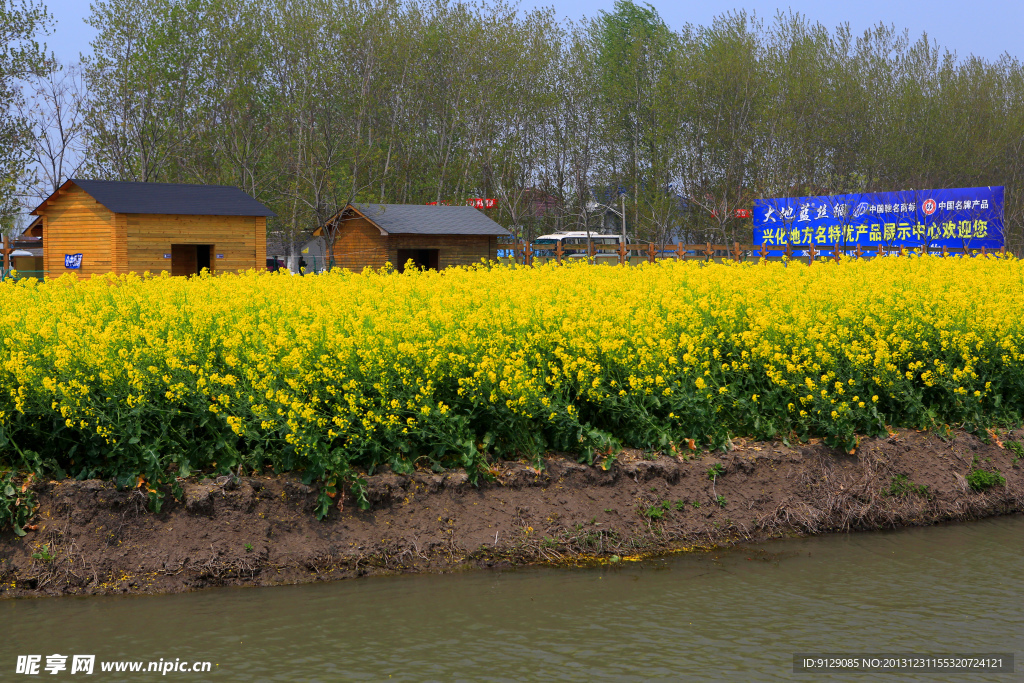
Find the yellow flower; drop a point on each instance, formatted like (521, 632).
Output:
(335, 362)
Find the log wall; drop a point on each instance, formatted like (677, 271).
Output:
(241, 239)
(360, 244)
(75, 223)
(454, 250)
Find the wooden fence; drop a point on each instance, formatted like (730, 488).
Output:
(523, 252)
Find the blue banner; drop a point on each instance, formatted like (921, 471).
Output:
(964, 218)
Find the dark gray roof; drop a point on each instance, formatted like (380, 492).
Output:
(172, 198)
(417, 219)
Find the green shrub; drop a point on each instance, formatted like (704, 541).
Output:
(901, 487)
(17, 504)
(716, 471)
(43, 554)
(981, 480)
(656, 511)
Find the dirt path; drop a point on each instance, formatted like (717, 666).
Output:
(261, 530)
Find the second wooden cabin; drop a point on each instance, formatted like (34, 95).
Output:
(432, 237)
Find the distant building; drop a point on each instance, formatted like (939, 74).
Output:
(99, 226)
(306, 252)
(27, 257)
(541, 204)
(433, 237)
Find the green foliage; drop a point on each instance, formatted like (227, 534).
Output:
(21, 56)
(633, 44)
(17, 504)
(900, 487)
(43, 554)
(607, 461)
(248, 547)
(715, 471)
(1018, 451)
(720, 499)
(982, 480)
(656, 511)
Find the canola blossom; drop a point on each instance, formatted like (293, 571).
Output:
(146, 379)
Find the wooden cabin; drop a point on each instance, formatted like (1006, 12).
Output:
(433, 237)
(90, 227)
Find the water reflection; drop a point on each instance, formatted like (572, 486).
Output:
(738, 614)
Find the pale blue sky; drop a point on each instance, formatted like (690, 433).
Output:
(986, 28)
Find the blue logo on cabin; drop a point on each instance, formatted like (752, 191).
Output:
(73, 261)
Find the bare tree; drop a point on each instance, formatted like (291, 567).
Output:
(55, 111)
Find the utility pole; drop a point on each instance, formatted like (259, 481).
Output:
(622, 198)
(6, 251)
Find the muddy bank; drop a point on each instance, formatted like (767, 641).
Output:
(90, 538)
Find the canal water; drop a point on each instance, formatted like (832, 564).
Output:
(739, 614)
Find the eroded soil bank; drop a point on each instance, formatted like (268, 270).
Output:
(90, 538)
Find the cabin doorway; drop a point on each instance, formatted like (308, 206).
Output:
(190, 259)
(426, 259)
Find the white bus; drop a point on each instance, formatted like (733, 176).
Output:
(574, 245)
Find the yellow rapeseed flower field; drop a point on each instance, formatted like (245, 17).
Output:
(146, 378)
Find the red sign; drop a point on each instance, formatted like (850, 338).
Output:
(928, 207)
(476, 203)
